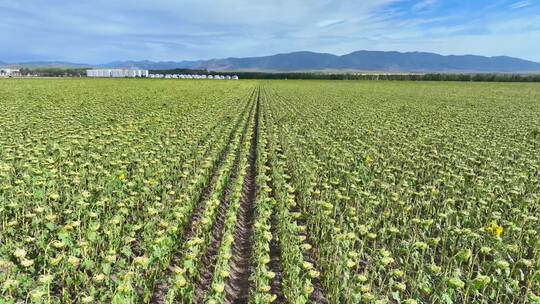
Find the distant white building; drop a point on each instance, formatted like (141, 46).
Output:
(185, 76)
(5, 72)
(117, 73)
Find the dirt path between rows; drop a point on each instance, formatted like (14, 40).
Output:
(204, 282)
(162, 285)
(238, 285)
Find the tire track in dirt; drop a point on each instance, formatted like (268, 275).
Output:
(160, 290)
(238, 285)
(318, 294)
(204, 282)
(275, 264)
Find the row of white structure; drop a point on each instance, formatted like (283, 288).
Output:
(123, 73)
(195, 76)
(6, 72)
(116, 73)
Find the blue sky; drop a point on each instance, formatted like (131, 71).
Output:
(98, 31)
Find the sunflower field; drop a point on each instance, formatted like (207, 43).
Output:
(156, 191)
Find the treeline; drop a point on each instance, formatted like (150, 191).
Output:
(182, 71)
(482, 77)
(54, 72)
(492, 77)
(396, 77)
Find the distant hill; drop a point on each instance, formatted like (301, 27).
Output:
(369, 61)
(146, 64)
(372, 61)
(45, 64)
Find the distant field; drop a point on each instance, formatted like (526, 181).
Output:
(193, 191)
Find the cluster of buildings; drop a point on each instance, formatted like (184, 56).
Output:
(5, 72)
(116, 73)
(128, 73)
(135, 73)
(195, 76)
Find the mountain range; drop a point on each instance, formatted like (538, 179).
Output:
(368, 61)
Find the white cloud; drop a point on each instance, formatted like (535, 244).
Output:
(424, 4)
(103, 30)
(330, 22)
(521, 4)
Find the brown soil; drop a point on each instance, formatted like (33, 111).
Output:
(275, 265)
(161, 287)
(204, 282)
(237, 287)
